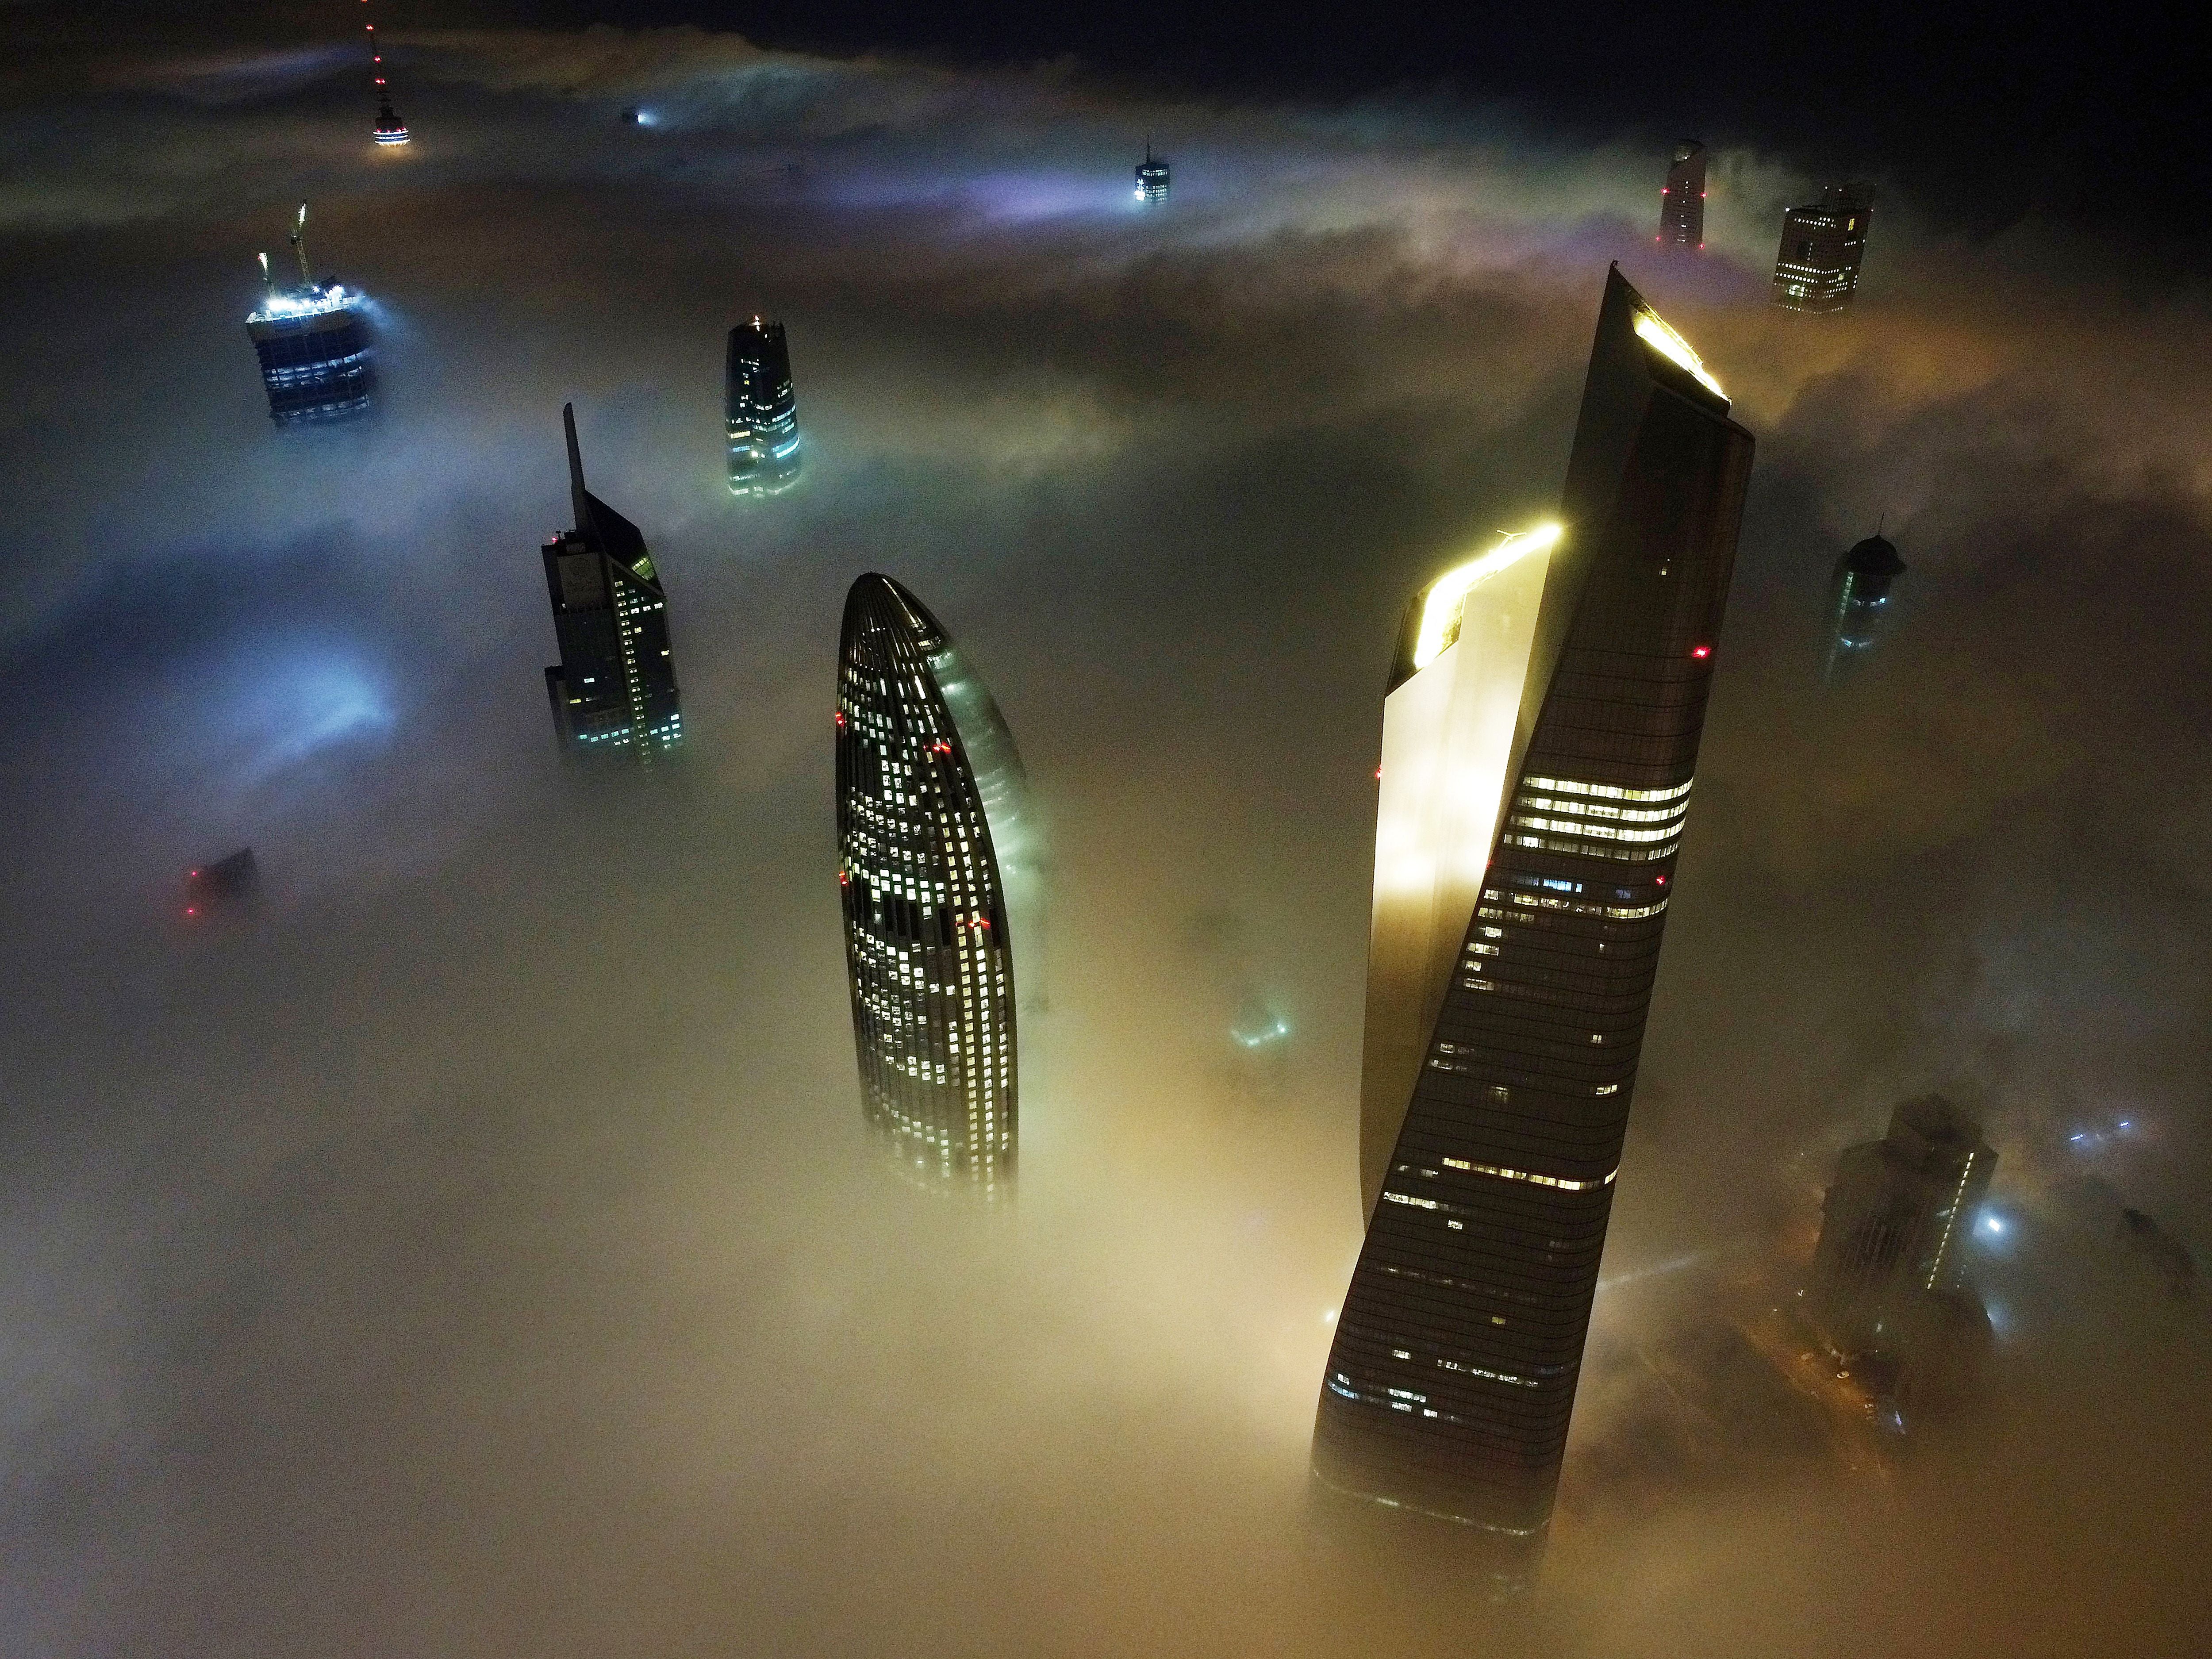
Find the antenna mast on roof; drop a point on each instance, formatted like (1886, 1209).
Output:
(581, 501)
(389, 128)
(299, 245)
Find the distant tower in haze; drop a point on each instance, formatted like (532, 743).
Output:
(931, 802)
(1682, 202)
(312, 342)
(1152, 176)
(1888, 1290)
(762, 410)
(1861, 602)
(227, 884)
(1898, 1218)
(1540, 734)
(1817, 267)
(614, 690)
(389, 128)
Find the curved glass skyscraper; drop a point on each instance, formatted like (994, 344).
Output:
(931, 797)
(1539, 732)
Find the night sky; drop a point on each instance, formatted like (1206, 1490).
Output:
(482, 1254)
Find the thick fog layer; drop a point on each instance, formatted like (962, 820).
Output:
(481, 1254)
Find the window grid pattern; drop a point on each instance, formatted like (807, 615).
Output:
(315, 366)
(927, 947)
(1453, 1370)
(762, 411)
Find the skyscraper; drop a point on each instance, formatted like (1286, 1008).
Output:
(1860, 604)
(1540, 734)
(614, 690)
(1896, 1222)
(312, 343)
(1817, 267)
(931, 797)
(1152, 176)
(1889, 1294)
(1682, 202)
(762, 411)
(389, 128)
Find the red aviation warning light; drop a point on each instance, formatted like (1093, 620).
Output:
(1701, 652)
(390, 129)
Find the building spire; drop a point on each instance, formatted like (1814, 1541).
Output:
(389, 128)
(299, 245)
(581, 501)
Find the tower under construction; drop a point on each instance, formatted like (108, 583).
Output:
(312, 342)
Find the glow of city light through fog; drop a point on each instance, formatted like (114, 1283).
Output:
(296, 707)
(1274, 1031)
(1655, 333)
(1440, 608)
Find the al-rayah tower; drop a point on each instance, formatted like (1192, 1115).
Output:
(1539, 738)
(937, 840)
(312, 340)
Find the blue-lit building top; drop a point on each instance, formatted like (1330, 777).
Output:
(613, 691)
(313, 344)
(762, 411)
(1861, 602)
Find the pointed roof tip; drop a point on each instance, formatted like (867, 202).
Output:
(581, 501)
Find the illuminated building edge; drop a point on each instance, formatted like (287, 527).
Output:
(1539, 737)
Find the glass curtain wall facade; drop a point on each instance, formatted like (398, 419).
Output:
(1541, 731)
(1682, 202)
(931, 796)
(614, 691)
(1823, 244)
(762, 411)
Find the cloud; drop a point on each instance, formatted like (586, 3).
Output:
(481, 1254)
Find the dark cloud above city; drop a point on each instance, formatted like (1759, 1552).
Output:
(482, 1253)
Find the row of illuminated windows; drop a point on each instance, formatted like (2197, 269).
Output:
(1626, 855)
(1573, 907)
(1590, 831)
(1603, 791)
(1588, 809)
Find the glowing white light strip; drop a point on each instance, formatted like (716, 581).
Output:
(1524, 1175)
(291, 305)
(1673, 347)
(1447, 593)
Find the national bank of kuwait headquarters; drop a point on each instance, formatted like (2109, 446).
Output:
(1540, 735)
(936, 836)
